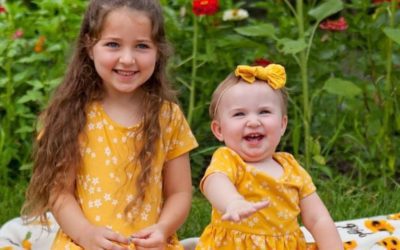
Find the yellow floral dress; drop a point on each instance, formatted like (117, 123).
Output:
(274, 227)
(105, 182)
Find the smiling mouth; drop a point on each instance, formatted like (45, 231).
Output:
(254, 137)
(124, 72)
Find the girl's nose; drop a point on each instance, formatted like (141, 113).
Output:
(127, 58)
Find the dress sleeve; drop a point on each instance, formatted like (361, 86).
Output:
(299, 176)
(226, 162)
(179, 138)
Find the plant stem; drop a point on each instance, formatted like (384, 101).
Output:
(385, 131)
(304, 80)
(192, 88)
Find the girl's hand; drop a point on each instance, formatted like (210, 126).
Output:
(151, 237)
(96, 238)
(240, 208)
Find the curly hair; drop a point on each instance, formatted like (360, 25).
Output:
(57, 153)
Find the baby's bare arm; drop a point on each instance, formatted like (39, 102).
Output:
(224, 196)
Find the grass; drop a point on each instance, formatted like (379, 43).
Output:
(343, 198)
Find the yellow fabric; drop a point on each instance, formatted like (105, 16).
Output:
(274, 227)
(105, 183)
(274, 74)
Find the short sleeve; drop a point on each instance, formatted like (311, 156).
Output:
(227, 162)
(178, 137)
(297, 175)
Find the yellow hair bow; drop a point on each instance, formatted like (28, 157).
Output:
(274, 74)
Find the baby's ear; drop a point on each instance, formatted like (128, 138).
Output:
(216, 130)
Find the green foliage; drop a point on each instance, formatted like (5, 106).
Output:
(344, 87)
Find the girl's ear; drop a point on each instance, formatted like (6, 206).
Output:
(284, 124)
(89, 50)
(216, 130)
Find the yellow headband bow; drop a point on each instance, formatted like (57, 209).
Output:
(274, 74)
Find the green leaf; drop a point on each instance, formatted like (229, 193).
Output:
(326, 9)
(31, 95)
(341, 87)
(319, 159)
(264, 30)
(393, 34)
(288, 46)
(236, 41)
(27, 166)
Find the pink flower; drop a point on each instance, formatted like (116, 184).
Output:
(2, 9)
(18, 34)
(334, 25)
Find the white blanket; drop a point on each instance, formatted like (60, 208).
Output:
(373, 233)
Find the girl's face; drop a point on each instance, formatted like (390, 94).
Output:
(250, 120)
(125, 55)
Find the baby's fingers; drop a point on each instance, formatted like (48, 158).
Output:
(233, 216)
(260, 205)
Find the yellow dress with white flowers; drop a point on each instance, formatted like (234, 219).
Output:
(274, 227)
(105, 182)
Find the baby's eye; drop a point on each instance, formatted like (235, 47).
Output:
(238, 114)
(263, 112)
(112, 44)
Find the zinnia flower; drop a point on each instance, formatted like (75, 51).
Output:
(235, 15)
(39, 44)
(2, 9)
(18, 34)
(383, 1)
(334, 25)
(205, 7)
(261, 62)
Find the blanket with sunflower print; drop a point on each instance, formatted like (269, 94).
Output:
(372, 233)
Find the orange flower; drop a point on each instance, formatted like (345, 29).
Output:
(39, 44)
(26, 244)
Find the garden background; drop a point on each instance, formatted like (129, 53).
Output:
(342, 61)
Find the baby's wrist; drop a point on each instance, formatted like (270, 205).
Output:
(233, 200)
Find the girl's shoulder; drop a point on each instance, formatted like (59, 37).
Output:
(288, 161)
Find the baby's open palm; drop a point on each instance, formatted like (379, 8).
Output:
(239, 209)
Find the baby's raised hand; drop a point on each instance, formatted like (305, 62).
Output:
(239, 209)
(151, 237)
(95, 237)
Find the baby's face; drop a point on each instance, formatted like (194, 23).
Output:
(250, 120)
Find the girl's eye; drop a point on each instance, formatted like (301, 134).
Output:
(142, 46)
(112, 44)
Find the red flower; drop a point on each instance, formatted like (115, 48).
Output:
(334, 25)
(261, 62)
(383, 1)
(2, 9)
(205, 7)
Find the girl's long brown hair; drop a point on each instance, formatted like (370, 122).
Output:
(57, 155)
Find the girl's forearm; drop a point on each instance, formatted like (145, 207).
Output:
(69, 216)
(175, 211)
